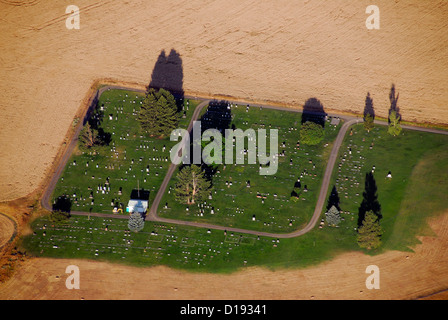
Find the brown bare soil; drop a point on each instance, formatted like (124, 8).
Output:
(402, 276)
(282, 51)
(6, 230)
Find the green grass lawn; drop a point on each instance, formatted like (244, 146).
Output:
(267, 204)
(417, 190)
(426, 195)
(195, 249)
(130, 160)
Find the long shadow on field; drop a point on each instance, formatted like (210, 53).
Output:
(370, 199)
(368, 108)
(313, 111)
(168, 74)
(393, 98)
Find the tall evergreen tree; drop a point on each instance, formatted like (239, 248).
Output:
(369, 234)
(158, 114)
(192, 186)
(136, 222)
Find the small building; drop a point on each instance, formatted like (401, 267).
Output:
(138, 202)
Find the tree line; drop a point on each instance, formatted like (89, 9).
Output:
(394, 117)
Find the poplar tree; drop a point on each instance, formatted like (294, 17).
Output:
(394, 124)
(158, 113)
(192, 185)
(368, 122)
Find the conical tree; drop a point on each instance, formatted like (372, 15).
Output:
(368, 122)
(158, 114)
(192, 186)
(394, 124)
(369, 234)
(333, 216)
(136, 222)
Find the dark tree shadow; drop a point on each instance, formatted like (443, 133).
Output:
(95, 120)
(93, 107)
(168, 74)
(63, 204)
(334, 200)
(368, 108)
(370, 199)
(96, 117)
(393, 98)
(313, 111)
(140, 194)
(217, 116)
(105, 137)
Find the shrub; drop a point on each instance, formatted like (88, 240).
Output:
(311, 133)
(136, 222)
(333, 216)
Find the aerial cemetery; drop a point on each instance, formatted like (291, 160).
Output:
(120, 172)
(101, 179)
(242, 197)
(372, 172)
(109, 239)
